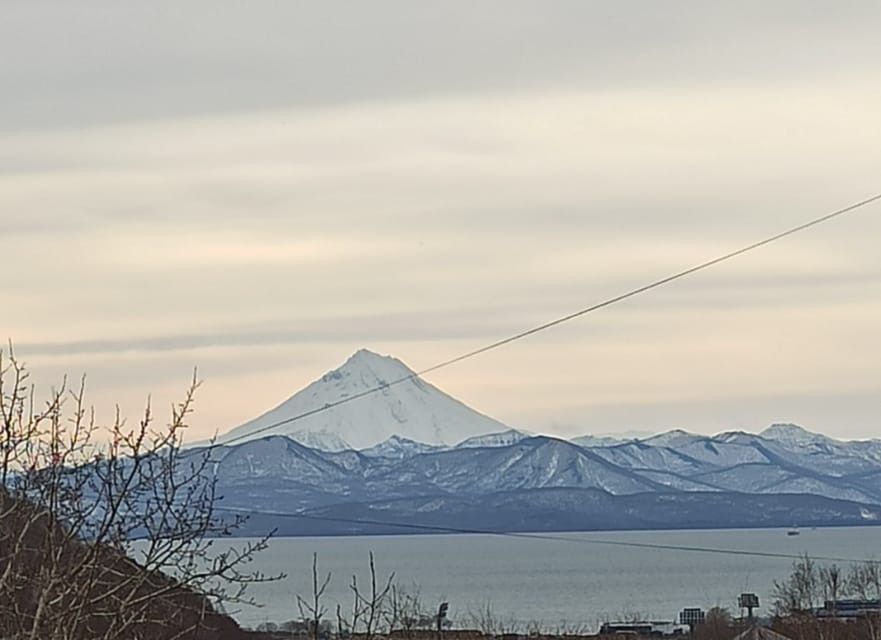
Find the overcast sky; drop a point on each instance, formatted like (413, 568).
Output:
(260, 188)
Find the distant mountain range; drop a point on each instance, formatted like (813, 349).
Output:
(412, 458)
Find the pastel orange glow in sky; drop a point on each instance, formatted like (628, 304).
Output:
(259, 189)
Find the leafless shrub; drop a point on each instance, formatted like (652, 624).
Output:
(369, 606)
(801, 592)
(564, 629)
(864, 582)
(313, 611)
(91, 530)
(534, 628)
(811, 587)
(485, 619)
(405, 613)
(718, 624)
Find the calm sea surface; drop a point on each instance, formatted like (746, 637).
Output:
(576, 581)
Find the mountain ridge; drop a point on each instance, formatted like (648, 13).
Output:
(406, 442)
(275, 473)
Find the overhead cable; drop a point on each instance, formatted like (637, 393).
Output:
(567, 318)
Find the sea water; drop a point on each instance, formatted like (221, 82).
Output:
(566, 580)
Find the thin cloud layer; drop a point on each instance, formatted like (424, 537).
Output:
(263, 193)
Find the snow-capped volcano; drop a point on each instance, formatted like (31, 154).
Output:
(406, 406)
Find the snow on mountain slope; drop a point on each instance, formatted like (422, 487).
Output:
(801, 448)
(676, 481)
(400, 442)
(594, 442)
(277, 472)
(792, 435)
(321, 440)
(277, 458)
(818, 449)
(638, 455)
(674, 438)
(716, 451)
(407, 406)
(820, 487)
(501, 439)
(529, 464)
(794, 438)
(768, 478)
(398, 447)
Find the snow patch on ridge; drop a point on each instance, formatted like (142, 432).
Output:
(500, 439)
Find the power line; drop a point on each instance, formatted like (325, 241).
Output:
(577, 314)
(543, 536)
(524, 334)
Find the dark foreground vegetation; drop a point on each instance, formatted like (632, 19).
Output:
(105, 532)
(57, 587)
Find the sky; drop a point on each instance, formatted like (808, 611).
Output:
(258, 189)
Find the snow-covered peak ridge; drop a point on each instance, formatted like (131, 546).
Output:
(610, 439)
(674, 438)
(368, 369)
(793, 435)
(788, 435)
(321, 440)
(399, 448)
(366, 360)
(500, 439)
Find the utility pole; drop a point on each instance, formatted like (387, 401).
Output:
(441, 616)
